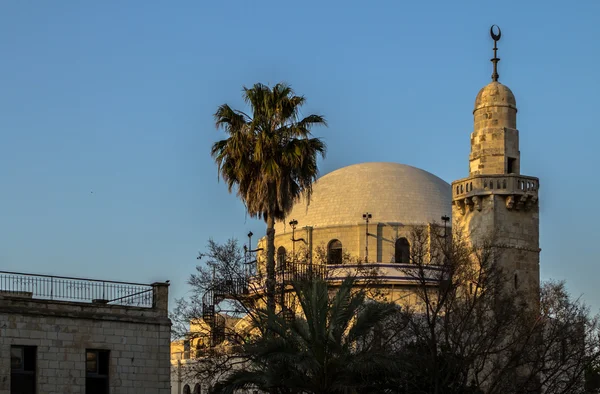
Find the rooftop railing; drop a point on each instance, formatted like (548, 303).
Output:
(60, 288)
(498, 183)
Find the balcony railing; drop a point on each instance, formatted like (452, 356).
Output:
(501, 183)
(297, 271)
(60, 288)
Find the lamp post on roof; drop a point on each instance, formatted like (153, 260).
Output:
(293, 224)
(248, 254)
(366, 216)
(445, 219)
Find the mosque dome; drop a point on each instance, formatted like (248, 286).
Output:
(495, 95)
(391, 192)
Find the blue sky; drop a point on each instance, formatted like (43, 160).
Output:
(106, 117)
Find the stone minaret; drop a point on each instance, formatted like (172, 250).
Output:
(496, 200)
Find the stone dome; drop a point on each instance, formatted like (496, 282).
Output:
(391, 192)
(495, 95)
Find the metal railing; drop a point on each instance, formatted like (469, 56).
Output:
(295, 271)
(60, 288)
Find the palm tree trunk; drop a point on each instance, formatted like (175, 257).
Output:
(271, 263)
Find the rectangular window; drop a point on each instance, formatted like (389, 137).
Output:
(186, 349)
(510, 165)
(96, 371)
(22, 369)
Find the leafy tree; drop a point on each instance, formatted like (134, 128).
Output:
(474, 331)
(269, 157)
(466, 330)
(331, 346)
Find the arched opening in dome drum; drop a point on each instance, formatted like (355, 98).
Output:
(334, 252)
(402, 252)
(186, 389)
(197, 389)
(281, 257)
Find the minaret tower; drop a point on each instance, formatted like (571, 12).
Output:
(496, 200)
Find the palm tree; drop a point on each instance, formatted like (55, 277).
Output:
(269, 157)
(330, 346)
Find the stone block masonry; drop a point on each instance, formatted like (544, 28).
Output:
(135, 342)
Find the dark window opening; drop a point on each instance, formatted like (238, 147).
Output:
(96, 371)
(186, 349)
(186, 389)
(510, 165)
(281, 257)
(197, 389)
(516, 282)
(402, 252)
(22, 369)
(334, 252)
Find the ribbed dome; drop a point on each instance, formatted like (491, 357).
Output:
(495, 95)
(391, 192)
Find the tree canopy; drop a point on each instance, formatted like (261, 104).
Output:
(269, 157)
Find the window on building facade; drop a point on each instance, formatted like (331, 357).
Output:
(281, 257)
(96, 371)
(186, 349)
(510, 165)
(334, 252)
(197, 389)
(186, 389)
(22, 369)
(402, 251)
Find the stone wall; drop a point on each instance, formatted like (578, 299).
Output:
(382, 238)
(137, 339)
(514, 228)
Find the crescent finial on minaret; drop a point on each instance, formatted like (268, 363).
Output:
(495, 59)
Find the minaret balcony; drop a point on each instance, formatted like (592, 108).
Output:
(520, 191)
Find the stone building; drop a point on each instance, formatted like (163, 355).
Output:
(359, 221)
(396, 196)
(495, 198)
(367, 211)
(69, 335)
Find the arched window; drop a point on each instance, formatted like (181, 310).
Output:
(197, 389)
(402, 253)
(186, 389)
(516, 281)
(334, 252)
(281, 257)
